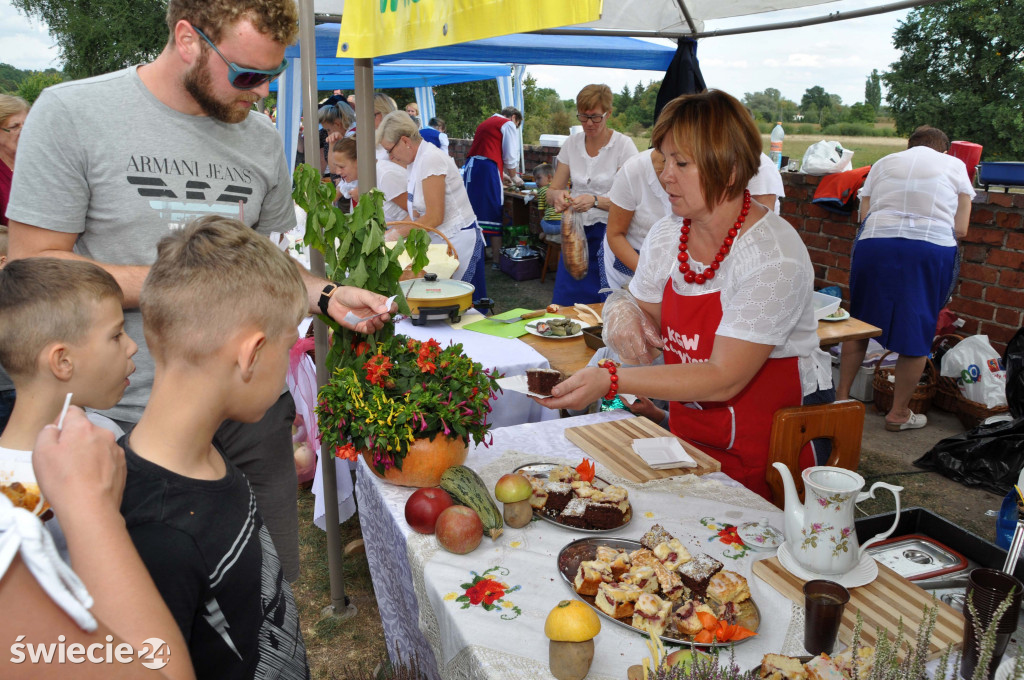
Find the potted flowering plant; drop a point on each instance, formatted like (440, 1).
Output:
(408, 407)
(386, 398)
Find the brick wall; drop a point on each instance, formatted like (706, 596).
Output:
(990, 295)
(533, 155)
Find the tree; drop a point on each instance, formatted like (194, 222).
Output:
(770, 106)
(825, 107)
(33, 86)
(962, 70)
(99, 36)
(873, 90)
(463, 106)
(862, 113)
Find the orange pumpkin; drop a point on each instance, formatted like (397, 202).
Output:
(425, 461)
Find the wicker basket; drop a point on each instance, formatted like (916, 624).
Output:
(946, 391)
(920, 400)
(972, 413)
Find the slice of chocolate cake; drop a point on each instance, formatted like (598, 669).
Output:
(541, 380)
(559, 494)
(574, 514)
(697, 573)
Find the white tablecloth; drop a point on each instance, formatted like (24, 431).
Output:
(510, 356)
(418, 585)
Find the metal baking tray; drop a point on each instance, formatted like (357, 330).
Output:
(916, 557)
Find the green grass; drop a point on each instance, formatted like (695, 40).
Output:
(866, 150)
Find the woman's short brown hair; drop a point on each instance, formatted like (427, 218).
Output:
(594, 97)
(278, 19)
(933, 138)
(716, 133)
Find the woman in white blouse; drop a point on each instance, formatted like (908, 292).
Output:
(436, 195)
(637, 201)
(914, 204)
(724, 287)
(590, 160)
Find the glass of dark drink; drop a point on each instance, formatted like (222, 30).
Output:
(824, 602)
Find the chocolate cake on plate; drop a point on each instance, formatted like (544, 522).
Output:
(697, 573)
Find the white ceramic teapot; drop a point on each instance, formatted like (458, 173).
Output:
(820, 534)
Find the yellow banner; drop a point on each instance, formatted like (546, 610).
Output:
(372, 28)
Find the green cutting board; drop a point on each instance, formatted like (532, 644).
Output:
(505, 330)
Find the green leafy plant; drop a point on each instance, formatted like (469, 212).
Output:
(353, 247)
(385, 390)
(386, 394)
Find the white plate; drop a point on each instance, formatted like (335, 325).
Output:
(842, 317)
(532, 329)
(864, 573)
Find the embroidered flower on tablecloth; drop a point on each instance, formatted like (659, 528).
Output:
(488, 593)
(728, 535)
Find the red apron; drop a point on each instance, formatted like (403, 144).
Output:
(736, 432)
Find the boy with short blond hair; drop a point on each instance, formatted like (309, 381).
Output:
(61, 331)
(220, 309)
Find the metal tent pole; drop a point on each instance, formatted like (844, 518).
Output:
(339, 606)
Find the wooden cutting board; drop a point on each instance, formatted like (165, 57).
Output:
(611, 444)
(881, 603)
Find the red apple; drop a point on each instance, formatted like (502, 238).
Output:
(423, 508)
(459, 529)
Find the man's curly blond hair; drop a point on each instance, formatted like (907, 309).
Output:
(278, 19)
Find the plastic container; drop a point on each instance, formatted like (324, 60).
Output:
(969, 153)
(553, 140)
(778, 134)
(863, 387)
(824, 304)
(521, 268)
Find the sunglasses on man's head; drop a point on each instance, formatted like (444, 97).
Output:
(244, 78)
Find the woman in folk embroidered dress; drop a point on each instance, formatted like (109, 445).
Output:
(727, 284)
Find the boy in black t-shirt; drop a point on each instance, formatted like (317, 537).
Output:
(220, 308)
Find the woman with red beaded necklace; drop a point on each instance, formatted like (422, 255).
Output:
(724, 287)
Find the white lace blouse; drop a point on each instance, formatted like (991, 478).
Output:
(765, 283)
(595, 174)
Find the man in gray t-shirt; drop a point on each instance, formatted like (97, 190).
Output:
(108, 165)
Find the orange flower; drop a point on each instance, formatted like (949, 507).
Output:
(586, 470)
(346, 452)
(362, 348)
(377, 369)
(730, 535)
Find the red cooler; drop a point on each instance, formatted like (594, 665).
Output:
(969, 153)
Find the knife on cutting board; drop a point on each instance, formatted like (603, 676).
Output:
(526, 315)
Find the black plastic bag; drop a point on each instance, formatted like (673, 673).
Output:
(1013, 360)
(989, 456)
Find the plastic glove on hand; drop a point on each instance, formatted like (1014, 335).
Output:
(628, 331)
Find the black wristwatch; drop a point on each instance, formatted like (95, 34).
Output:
(325, 297)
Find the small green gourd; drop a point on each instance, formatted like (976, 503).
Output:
(466, 488)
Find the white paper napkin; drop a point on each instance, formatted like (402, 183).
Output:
(352, 319)
(517, 383)
(663, 452)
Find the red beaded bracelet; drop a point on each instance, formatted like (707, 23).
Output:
(612, 369)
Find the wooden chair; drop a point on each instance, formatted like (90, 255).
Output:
(842, 422)
(552, 251)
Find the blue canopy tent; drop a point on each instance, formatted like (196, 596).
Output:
(337, 74)
(517, 50)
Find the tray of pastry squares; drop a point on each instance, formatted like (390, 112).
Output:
(656, 586)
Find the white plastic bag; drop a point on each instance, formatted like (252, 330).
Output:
(824, 158)
(976, 366)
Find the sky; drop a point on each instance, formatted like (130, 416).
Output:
(838, 56)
